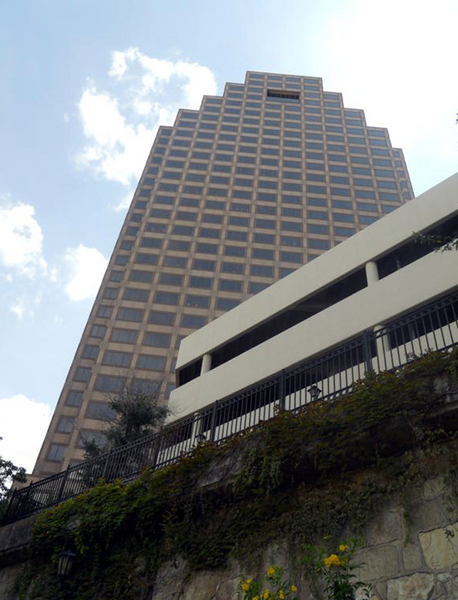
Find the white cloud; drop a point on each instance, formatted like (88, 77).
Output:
(120, 124)
(87, 267)
(23, 426)
(408, 84)
(18, 308)
(21, 238)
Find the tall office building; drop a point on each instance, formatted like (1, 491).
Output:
(233, 197)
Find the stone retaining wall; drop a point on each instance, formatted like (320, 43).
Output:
(410, 553)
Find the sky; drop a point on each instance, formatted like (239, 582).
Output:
(83, 88)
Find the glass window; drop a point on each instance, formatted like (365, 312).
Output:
(175, 261)
(344, 231)
(201, 282)
(171, 279)
(207, 248)
(314, 214)
(210, 218)
(288, 240)
(130, 314)
(148, 242)
(141, 276)
(292, 212)
(315, 228)
(116, 275)
(158, 317)
(230, 267)
(56, 453)
(124, 336)
(166, 298)
(66, 425)
(234, 250)
(256, 287)
(159, 340)
(82, 374)
(136, 295)
(226, 303)
(209, 233)
(342, 204)
(193, 321)
(367, 220)
(265, 224)
(263, 253)
(264, 238)
(156, 227)
(262, 270)
(318, 244)
(179, 245)
(237, 236)
(343, 217)
(291, 226)
(90, 352)
(74, 398)
(143, 258)
(150, 363)
(99, 411)
(195, 301)
(98, 331)
(367, 206)
(266, 210)
(295, 257)
(229, 285)
(117, 359)
(203, 265)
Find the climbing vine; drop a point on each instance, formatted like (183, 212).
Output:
(307, 476)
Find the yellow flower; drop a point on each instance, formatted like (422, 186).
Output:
(281, 595)
(266, 595)
(343, 547)
(246, 585)
(332, 560)
(255, 597)
(293, 588)
(271, 571)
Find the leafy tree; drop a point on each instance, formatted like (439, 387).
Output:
(135, 412)
(8, 473)
(442, 243)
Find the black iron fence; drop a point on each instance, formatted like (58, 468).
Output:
(327, 376)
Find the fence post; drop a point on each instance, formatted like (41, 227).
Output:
(62, 485)
(10, 503)
(213, 423)
(157, 445)
(107, 462)
(367, 352)
(281, 392)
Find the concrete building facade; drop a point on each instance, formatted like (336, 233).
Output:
(362, 285)
(233, 197)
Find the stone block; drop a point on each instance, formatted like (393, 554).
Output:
(386, 527)
(377, 563)
(428, 514)
(439, 549)
(434, 487)
(169, 580)
(411, 557)
(419, 586)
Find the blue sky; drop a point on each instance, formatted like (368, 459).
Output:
(84, 86)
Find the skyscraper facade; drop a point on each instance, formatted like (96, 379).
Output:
(233, 197)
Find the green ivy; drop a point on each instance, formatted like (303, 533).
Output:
(297, 476)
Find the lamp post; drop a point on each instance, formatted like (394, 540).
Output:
(314, 392)
(64, 566)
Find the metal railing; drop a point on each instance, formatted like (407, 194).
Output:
(327, 376)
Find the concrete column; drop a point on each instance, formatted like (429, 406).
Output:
(206, 363)
(371, 272)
